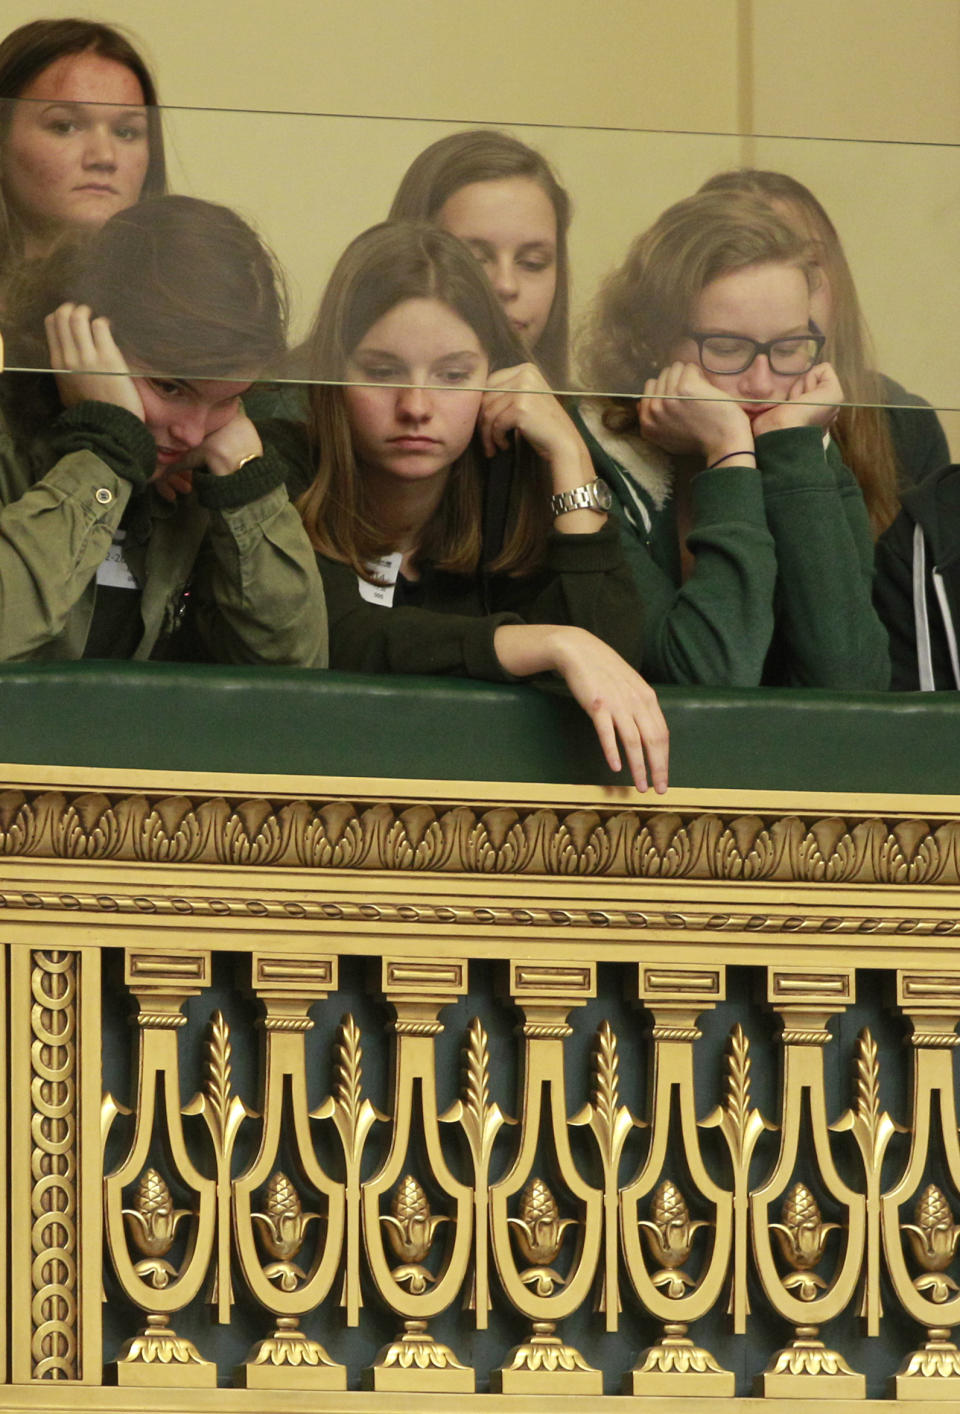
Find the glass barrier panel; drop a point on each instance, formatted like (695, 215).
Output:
(309, 183)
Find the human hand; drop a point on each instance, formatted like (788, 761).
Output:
(173, 481)
(522, 400)
(223, 450)
(97, 370)
(811, 402)
(619, 702)
(673, 416)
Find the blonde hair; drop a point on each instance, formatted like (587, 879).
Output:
(863, 431)
(643, 309)
(381, 268)
(488, 155)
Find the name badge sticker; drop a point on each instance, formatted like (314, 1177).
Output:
(114, 570)
(387, 569)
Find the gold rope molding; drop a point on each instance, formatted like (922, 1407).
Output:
(348, 911)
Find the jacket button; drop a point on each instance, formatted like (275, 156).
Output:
(104, 495)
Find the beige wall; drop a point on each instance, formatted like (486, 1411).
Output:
(836, 69)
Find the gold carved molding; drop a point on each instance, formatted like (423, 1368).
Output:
(55, 1307)
(574, 1177)
(635, 842)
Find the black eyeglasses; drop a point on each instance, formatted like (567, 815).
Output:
(734, 353)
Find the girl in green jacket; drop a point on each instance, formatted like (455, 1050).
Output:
(748, 537)
(132, 484)
(436, 386)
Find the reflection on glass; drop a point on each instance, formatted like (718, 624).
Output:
(84, 140)
(310, 183)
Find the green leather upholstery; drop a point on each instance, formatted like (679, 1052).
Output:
(163, 716)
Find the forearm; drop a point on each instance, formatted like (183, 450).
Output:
(372, 638)
(586, 583)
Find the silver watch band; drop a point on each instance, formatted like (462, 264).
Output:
(592, 496)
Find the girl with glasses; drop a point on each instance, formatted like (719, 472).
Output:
(891, 439)
(748, 537)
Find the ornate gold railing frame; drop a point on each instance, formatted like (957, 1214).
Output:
(427, 876)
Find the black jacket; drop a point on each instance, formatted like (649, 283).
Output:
(917, 588)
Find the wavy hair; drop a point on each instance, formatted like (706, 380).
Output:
(862, 431)
(383, 267)
(643, 309)
(488, 155)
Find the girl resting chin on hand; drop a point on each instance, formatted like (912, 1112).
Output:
(437, 386)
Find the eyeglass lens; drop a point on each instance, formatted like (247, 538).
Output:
(726, 354)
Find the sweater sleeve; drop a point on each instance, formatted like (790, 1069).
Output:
(57, 526)
(375, 638)
(585, 582)
(715, 628)
(259, 591)
(830, 631)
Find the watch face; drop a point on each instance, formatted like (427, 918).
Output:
(602, 492)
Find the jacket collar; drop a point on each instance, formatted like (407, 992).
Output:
(649, 467)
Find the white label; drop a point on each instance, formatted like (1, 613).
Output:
(387, 568)
(114, 570)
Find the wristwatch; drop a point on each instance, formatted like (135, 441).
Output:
(594, 496)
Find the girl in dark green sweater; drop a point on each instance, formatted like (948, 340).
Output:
(748, 537)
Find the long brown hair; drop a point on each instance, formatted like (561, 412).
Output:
(488, 155)
(189, 288)
(383, 267)
(25, 53)
(643, 309)
(862, 430)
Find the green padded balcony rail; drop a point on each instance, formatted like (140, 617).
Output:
(262, 721)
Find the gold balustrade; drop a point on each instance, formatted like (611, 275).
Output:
(437, 1093)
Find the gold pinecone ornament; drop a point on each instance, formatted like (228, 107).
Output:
(802, 1238)
(669, 1237)
(410, 1230)
(933, 1238)
(539, 1231)
(152, 1224)
(282, 1229)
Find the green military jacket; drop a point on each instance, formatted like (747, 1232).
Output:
(237, 543)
